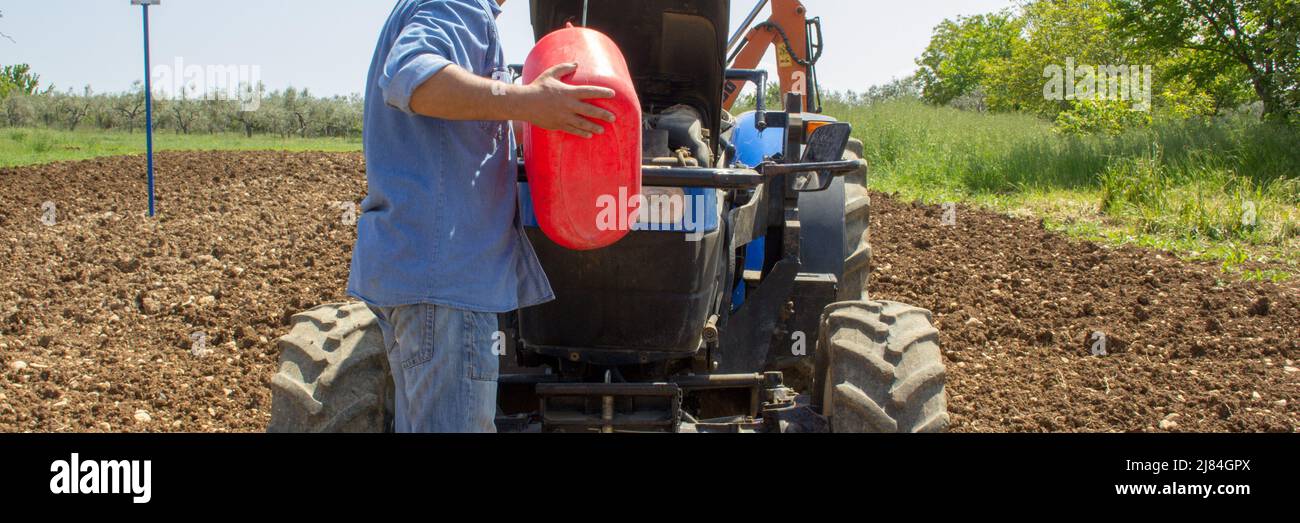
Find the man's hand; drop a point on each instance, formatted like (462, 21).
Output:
(551, 104)
(457, 94)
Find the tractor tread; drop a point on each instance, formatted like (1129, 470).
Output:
(864, 321)
(904, 391)
(858, 208)
(858, 404)
(296, 342)
(333, 374)
(297, 390)
(857, 224)
(885, 371)
(859, 260)
(905, 341)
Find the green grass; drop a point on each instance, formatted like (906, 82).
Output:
(1225, 190)
(35, 146)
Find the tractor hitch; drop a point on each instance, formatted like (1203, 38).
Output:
(662, 406)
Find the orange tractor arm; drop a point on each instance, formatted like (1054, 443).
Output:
(797, 40)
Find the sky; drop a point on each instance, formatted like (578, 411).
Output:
(326, 45)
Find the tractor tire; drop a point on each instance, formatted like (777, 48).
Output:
(333, 374)
(857, 222)
(883, 371)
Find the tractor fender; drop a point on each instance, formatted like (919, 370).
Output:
(821, 230)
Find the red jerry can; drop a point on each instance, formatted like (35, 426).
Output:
(586, 191)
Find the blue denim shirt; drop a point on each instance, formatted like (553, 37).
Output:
(440, 224)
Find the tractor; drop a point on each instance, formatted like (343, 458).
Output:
(740, 306)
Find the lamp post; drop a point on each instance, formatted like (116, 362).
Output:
(148, 97)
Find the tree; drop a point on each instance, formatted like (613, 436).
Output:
(297, 106)
(1262, 37)
(907, 87)
(251, 120)
(18, 110)
(1196, 82)
(288, 113)
(130, 105)
(1057, 34)
(218, 112)
(46, 106)
(349, 116)
(160, 106)
(75, 108)
(17, 79)
(184, 111)
(957, 59)
(103, 112)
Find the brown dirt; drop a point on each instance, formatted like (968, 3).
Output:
(102, 305)
(1017, 308)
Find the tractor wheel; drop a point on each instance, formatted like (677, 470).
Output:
(333, 373)
(883, 371)
(857, 221)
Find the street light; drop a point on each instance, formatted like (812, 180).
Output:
(148, 97)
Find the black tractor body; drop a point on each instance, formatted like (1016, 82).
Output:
(682, 307)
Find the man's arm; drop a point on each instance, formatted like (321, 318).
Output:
(456, 94)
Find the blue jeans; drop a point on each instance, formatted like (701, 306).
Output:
(444, 368)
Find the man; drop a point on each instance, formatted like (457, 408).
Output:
(440, 250)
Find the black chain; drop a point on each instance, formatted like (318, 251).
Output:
(788, 46)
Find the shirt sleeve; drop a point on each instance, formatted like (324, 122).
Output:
(434, 37)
